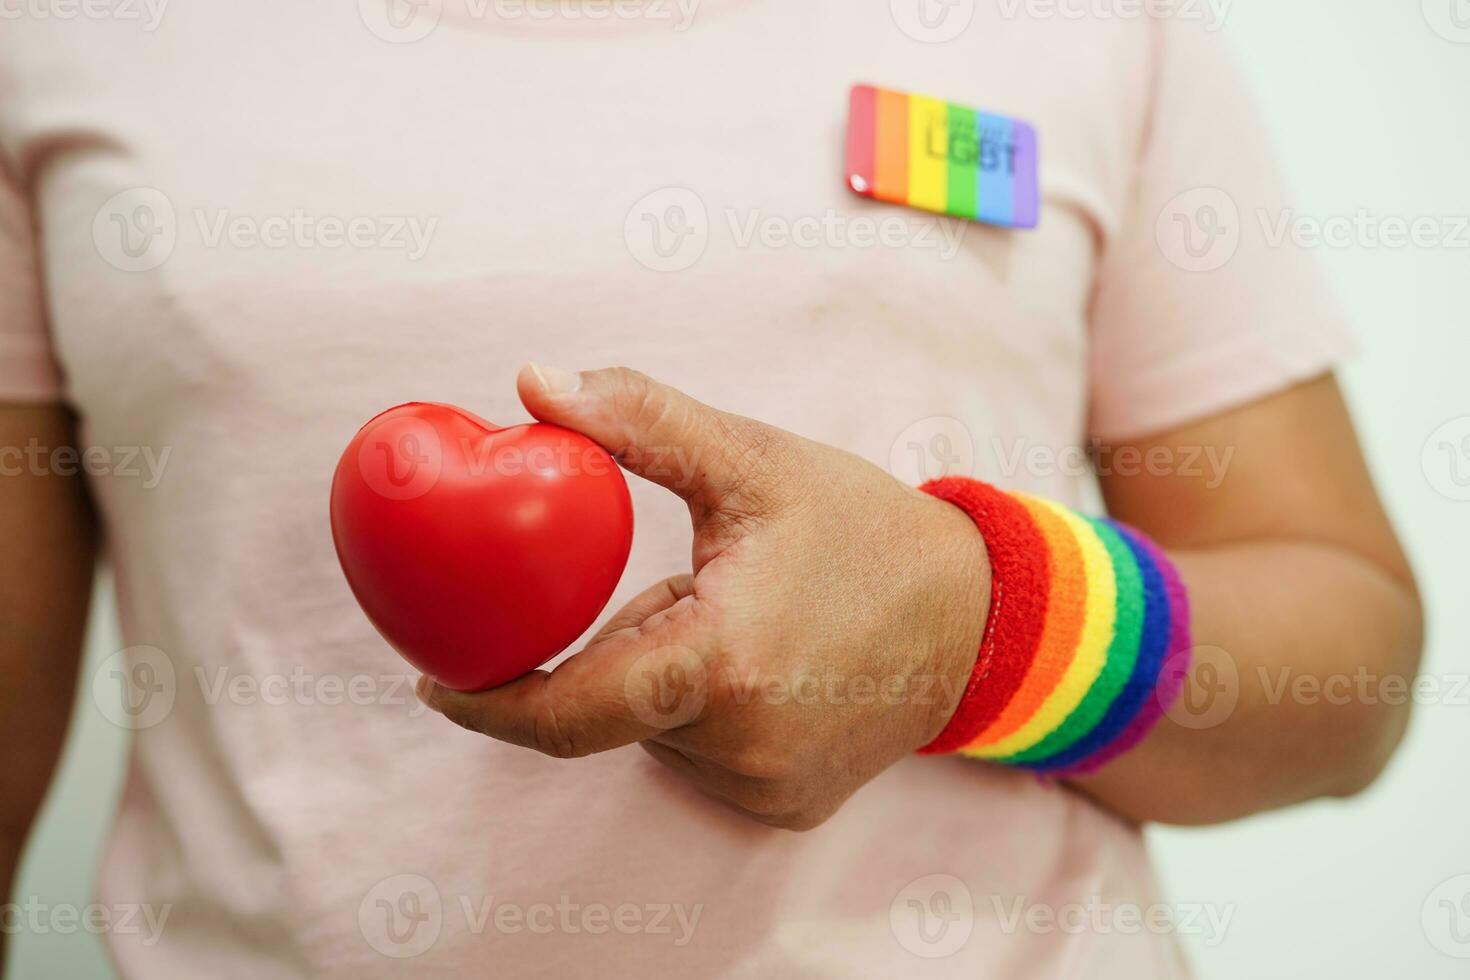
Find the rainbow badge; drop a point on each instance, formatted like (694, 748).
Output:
(937, 156)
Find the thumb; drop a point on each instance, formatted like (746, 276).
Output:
(704, 455)
(626, 687)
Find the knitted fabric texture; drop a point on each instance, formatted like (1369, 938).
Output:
(1087, 643)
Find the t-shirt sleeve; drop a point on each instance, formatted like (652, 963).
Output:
(28, 368)
(1202, 303)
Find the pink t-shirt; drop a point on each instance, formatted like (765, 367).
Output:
(231, 234)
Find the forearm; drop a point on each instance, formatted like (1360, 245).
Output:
(1305, 655)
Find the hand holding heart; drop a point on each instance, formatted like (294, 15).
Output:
(827, 628)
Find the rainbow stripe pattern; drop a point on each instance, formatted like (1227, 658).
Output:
(1087, 643)
(942, 157)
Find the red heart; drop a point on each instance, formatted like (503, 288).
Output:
(478, 552)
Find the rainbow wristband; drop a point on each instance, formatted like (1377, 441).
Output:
(1087, 643)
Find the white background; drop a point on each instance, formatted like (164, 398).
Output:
(1368, 105)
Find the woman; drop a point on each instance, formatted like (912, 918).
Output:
(230, 236)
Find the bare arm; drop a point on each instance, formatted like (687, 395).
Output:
(45, 583)
(1295, 574)
(811, 563)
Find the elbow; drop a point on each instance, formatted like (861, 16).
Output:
(1384, 706)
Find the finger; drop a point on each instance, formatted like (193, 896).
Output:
(648, 604)
(697, 774)
(633, 685)
(679, 762)
(657, 432)
(752, 798)
(718, 784)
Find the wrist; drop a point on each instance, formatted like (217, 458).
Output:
(1086, 642)
(961, 567)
